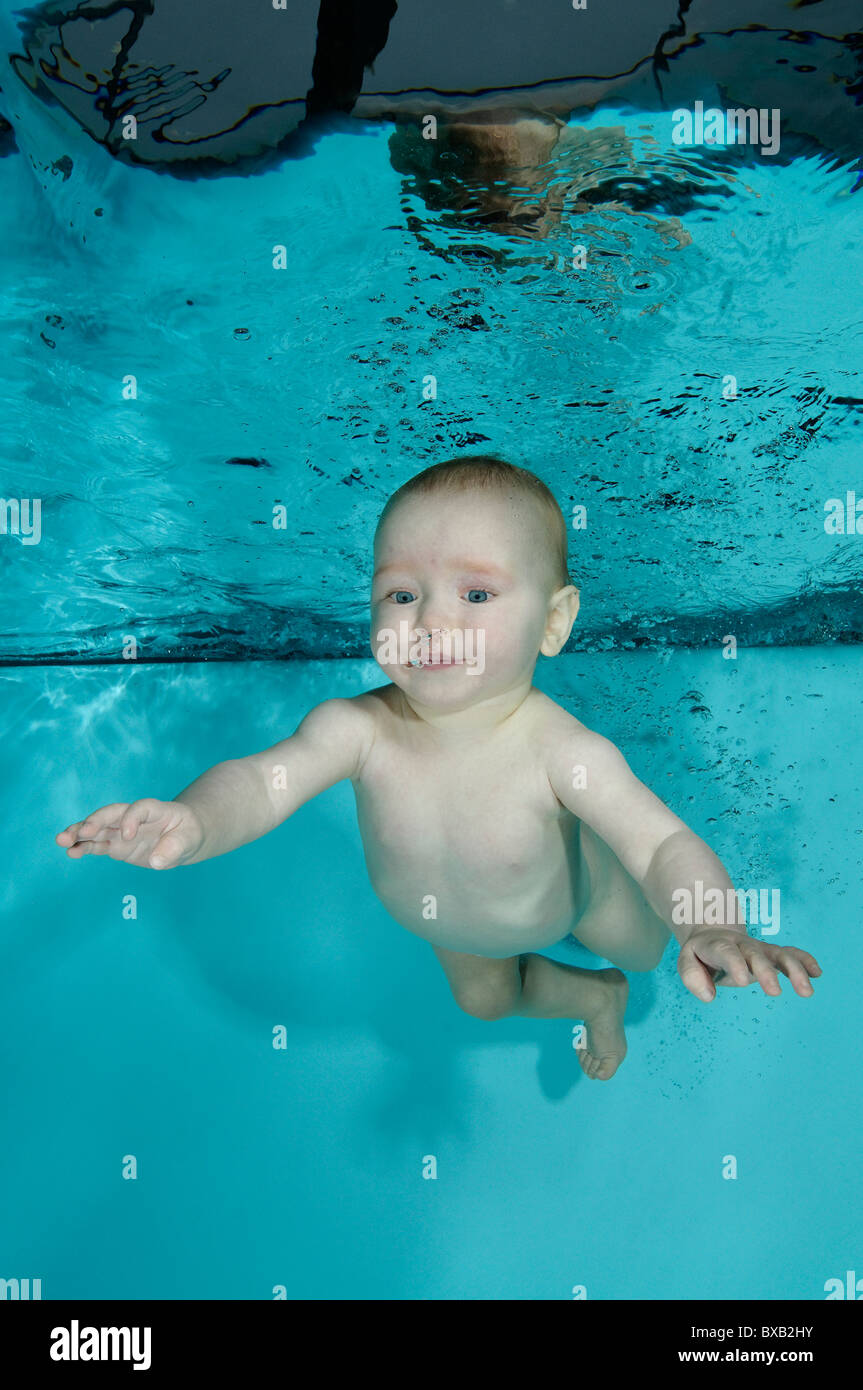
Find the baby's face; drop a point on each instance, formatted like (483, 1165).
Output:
(472, 565)
(523, 144)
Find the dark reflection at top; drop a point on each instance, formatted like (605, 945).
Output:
(214, 85)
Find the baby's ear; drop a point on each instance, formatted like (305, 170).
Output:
(562, 613)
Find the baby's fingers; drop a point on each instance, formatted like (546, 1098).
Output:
(695, 976)
(811, 964)
(787, 961)
(148, 810)
(728, 957)
(104, 845)
(106, 818)
(764, 972)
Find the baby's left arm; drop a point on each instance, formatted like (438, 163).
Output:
(591, 777)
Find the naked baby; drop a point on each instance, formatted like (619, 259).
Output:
(494, 823)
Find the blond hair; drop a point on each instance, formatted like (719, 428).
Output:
(486, 472)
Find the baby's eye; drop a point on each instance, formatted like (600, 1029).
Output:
(485, 594)
(403, 596)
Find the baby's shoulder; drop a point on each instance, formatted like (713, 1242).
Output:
(374, 713)
(376, 705)
(559, 733)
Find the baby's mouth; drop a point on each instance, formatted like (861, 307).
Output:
(445, 649)
(429, 659)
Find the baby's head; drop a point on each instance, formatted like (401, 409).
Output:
(490, 166)
(470, 582)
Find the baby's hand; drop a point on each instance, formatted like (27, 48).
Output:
(716, 955)
(153, 834)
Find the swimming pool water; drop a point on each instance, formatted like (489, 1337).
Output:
(303, 1167)
(302, 388)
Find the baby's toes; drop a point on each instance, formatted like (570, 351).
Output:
(588, 1061)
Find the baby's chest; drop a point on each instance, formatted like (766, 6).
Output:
(488, 819)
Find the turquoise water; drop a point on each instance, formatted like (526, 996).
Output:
(303, 1167)
(152, 1035)
(703, 512)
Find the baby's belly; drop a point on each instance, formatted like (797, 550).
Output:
(498, 913)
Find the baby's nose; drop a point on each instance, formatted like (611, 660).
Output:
(430, 618)
(433, 630)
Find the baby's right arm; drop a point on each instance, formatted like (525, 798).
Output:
(235, 801)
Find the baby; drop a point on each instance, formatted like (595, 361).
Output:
(523, 172)
(494, 823)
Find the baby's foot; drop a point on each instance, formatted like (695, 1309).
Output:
(604, 1046)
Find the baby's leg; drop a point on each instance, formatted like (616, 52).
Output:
(533, 986)
(618, 922)
(482, 986)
